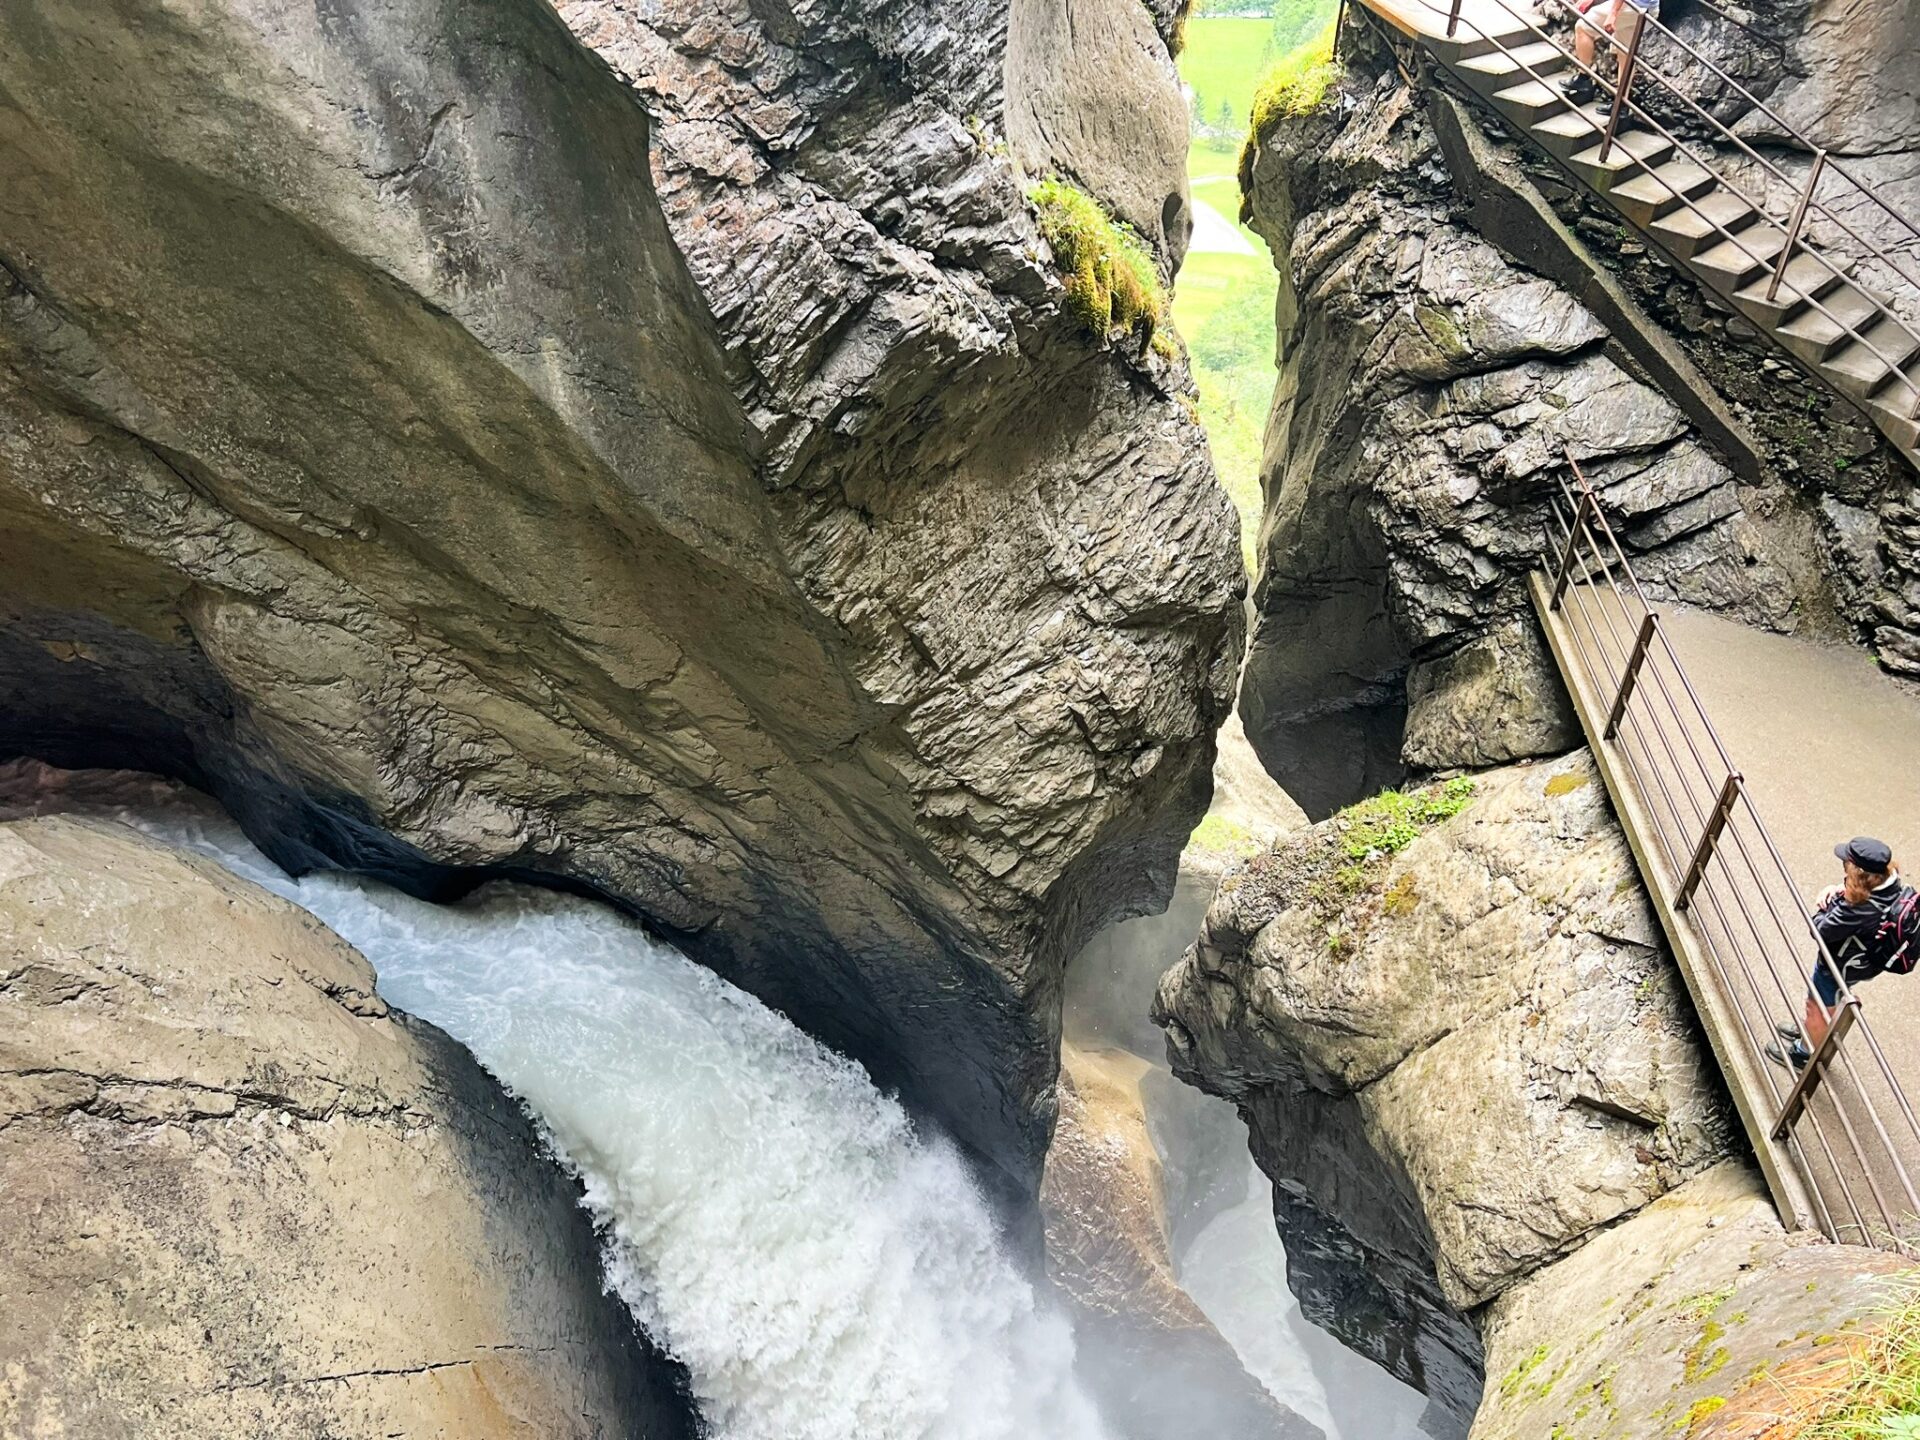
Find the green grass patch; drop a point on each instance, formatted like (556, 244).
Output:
(1223, 305)
(1113, 288)
(1217, 835)
(1296, 83)
(1879, 1396)
(1222, 64)
(1392, 820)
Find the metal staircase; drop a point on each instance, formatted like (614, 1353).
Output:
(1674, 191)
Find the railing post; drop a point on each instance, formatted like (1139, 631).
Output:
(1453, 19)
(1647, 628)
(1623, 82)
(1564, 572)
(1703, 852)
(1815, 1072)
(1799, 219)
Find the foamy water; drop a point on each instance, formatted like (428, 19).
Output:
(823, 1271)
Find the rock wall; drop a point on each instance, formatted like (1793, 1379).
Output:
(457, 473)
(1451, 324)
(1471, 1071)
(1157, 1363)
(247, 1198)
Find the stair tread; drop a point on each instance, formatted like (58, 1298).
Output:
(1539, 55)
(1891, 348)
(1629, 148)
(1679, 176)
(1531, 93)
(1573, 122)
(1754, 246)
(1823, 326)
(1716, 210)
(1806, 275)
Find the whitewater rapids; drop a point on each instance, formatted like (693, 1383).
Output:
(774, 1222)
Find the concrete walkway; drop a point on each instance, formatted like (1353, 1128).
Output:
(1830, 748)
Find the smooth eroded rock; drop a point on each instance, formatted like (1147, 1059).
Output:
(247, 1198)
(457, 473)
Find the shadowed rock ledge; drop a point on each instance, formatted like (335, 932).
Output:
(405, 441)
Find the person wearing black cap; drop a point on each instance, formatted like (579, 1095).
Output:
(1868, 924)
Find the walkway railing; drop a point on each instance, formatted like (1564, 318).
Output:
(1453, 22)
(1845, 1124)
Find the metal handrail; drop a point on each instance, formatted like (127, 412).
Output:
(1708, 830)
(1531, 26)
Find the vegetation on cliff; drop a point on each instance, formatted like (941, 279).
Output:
(1112, 285)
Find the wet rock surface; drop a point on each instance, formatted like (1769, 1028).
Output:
(457, 474)
(1157, 1363)
(1431, 387)
(248, 1198)
(1458, 1062)
(1699, 1317)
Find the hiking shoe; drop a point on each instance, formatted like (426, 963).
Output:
(1580, 88)
(1793, 1057)
(1789, 1031)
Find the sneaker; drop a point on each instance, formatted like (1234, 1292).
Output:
(1787, 1030)
(1793, 1057)
(1580, 88)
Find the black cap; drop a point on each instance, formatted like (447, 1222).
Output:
(1873, 856)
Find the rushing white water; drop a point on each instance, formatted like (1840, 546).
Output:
(1236, 1271)
(824, 1272)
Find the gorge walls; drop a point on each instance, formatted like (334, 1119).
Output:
(246, 1197)
(1452, 322)
(458, 474)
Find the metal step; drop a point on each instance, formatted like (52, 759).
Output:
(1632, 153)
(1862, 368)
(1816, 333)
(1808, 277)
(1703, 222)
(1646, 197)
(1733, 263)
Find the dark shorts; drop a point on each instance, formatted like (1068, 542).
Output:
(1825, 986)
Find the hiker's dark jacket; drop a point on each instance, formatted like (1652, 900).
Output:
(1867, 938)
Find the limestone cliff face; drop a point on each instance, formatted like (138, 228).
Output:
(1463, 1064)
(246, 1198)
(1451, 323)
(456, 473)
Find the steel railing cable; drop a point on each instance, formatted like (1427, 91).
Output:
(1595, 586)
(1532, 26)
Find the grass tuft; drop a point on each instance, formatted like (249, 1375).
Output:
(1113, 287)
(1296, 84)
(1390, 821)
(1879, 1396)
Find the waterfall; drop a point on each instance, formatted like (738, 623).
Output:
(823, 1271)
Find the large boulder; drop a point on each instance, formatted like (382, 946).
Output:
(247, 1198)
(457, 474)
(1459, 1061)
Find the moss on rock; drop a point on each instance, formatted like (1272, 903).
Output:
(1113, 287)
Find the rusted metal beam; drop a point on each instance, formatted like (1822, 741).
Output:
(1703, 852)
(1810, 1078)
(1799, 222)
(1648, 628)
